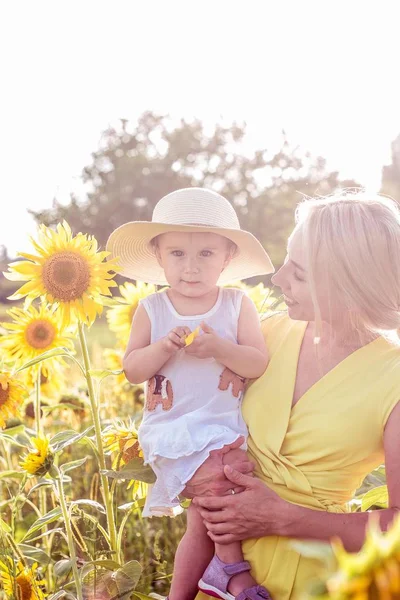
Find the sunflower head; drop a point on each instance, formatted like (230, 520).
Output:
(12, 395)
(38, 462)
(68, 271)
(30, 333)
(120, 317)
(124, 440)
(373, 572)
(20, 582)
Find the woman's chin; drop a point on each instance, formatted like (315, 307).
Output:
(295, 312)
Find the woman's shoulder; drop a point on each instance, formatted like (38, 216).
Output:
(275, 327)
(275, 322)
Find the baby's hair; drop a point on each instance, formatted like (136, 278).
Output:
(356, 237)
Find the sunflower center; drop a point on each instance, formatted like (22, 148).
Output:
(66, 275)
(24, 588)
(40, 333)
(4, 394)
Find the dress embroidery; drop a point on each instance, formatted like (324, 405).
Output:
(159, 391)
(227, 378)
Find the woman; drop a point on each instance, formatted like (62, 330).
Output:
(326, 411)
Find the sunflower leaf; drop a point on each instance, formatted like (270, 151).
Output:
(41, 483)
(376, 497)
(11, 440)
(73, 464)
(4, 526)
(50, 517)
(44, 356)
(130, 572)
(34, 554)
(101, 374)
(62, 567)
(12, 474)
(134, 469)
(87, 502)
(65, 438)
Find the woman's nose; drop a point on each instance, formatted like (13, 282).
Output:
(278, 278)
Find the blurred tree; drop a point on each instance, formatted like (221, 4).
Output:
(391, 173)
(136, 165)
(6, 287)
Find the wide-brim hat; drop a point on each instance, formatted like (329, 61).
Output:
(192, 210)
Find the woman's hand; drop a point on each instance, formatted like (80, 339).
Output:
(254, 512)
(210, 479)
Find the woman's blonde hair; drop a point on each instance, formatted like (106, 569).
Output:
(353, 239)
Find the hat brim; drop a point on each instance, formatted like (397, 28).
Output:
(130, 244)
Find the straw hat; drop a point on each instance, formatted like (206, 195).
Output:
(193, 210)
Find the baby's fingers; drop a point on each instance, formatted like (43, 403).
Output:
(175, 338)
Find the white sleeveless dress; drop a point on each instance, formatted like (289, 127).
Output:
(193, 405)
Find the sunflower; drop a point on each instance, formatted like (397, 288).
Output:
(20, 583)
(123, 439)
(68, 271)
(32, 332)
(113, 360)
(373, 572)
(263, 297)
(12, 395)
(120, 317)
(39, 461)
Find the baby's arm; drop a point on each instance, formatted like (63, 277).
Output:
(142, 359)
(249, 357)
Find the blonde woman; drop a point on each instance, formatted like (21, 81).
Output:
(329, 398)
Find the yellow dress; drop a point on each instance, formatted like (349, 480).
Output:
(317, 453)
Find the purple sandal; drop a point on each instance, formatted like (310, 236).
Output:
(217, 576)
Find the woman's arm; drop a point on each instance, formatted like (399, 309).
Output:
(248, 358)
(258, 511)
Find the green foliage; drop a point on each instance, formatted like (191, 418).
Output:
(137, 164)
(391, 173)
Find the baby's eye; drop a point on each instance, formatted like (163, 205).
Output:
(205, 253)
(177, 253)
(297, 277)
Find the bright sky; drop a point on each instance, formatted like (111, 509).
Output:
(326, 72)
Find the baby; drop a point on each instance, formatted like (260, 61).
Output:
(195, 344)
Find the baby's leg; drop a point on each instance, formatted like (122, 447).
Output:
(232, 553)
(194, 553)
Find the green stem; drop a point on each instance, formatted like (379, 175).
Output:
(37, 402)
(70, 537)
(42, 490)
(107, 496)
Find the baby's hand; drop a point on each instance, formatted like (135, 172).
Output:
(205, 345)
(175, 340)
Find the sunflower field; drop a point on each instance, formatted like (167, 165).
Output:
(72, 478)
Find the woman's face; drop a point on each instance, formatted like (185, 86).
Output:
(292, 278)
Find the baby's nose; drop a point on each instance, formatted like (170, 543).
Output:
(191, 264)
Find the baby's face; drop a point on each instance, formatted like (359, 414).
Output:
(193, 262)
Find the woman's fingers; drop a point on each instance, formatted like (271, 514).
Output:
(214, 502)
(216, 516)
(227, 538)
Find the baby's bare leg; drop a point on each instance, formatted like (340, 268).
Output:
(232, 553)
(194, 553)
(209, 479)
